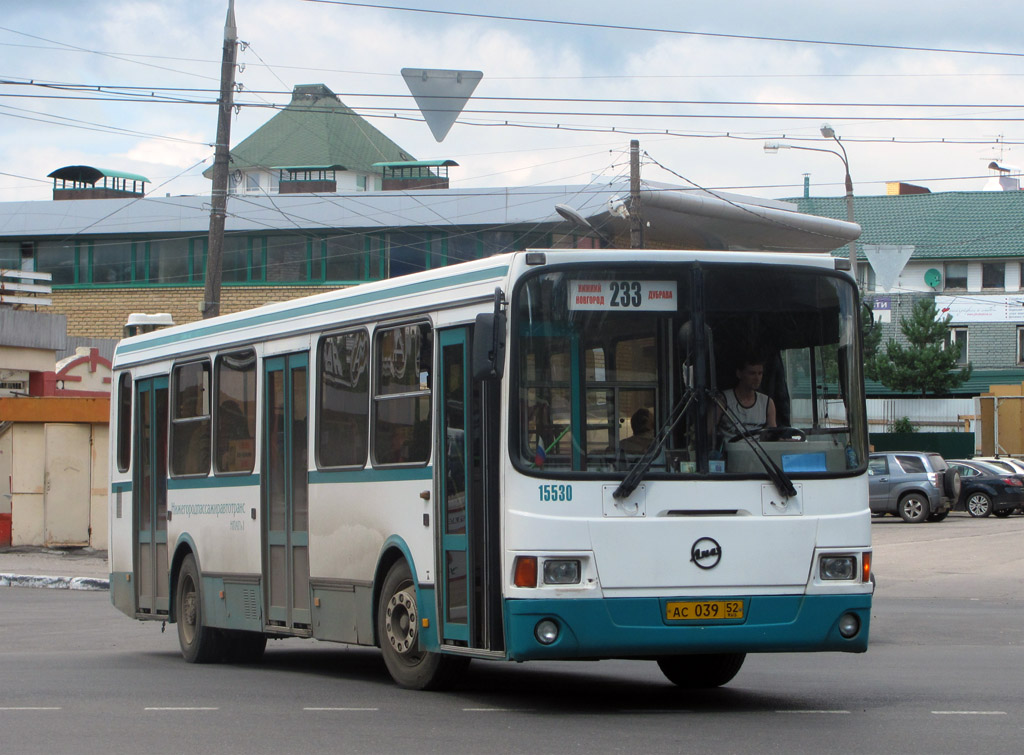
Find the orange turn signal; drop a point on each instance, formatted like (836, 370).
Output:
(526, 571)
(865, 561)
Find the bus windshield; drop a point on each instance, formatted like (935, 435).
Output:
(713, 369)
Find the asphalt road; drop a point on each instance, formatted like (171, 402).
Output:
(945, 673)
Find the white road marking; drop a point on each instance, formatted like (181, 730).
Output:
(814, 712)
(27, 707)
(969, 712)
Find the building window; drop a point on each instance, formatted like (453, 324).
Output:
(408, 253)
(956, 276)
(169, 260)
(10, 256)
(252, 181)
(287, 259)
(993, 275)
(234, 261)
(343, 257)
(958, 337)
(1020, 344)
(60, 259)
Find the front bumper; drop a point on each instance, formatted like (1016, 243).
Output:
(636, 627)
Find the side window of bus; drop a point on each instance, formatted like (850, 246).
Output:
(190, 420)
(235, 412)
(403, 359)
(343, 399)
(124, 422)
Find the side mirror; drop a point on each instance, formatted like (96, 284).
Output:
(488, 356)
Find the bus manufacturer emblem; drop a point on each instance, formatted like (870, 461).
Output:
(706, 553)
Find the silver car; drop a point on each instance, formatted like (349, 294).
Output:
(918, 486)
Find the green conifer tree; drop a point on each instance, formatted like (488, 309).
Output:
(871, 339)
(927, 365)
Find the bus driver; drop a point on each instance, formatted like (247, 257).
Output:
(753, 409)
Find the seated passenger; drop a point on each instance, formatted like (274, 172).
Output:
(642, 425)
(754, 410)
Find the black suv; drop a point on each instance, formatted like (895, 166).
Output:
(916, 485)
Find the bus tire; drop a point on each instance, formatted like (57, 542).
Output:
(199, 643)
(701, 671)
(398, 626)
(243, 647)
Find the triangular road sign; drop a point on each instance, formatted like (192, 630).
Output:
(441, 95)
(888, 261)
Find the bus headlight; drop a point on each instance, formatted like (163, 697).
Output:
(838, 567)
(562, 571)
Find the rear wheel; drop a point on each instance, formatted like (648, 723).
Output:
(913, 508)
(398, 626)
(938, 516)
(701, 671)
(199, 643)
(979, 505)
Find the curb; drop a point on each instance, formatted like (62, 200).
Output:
(56, 583)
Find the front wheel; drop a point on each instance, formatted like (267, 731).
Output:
(979, 505)
(398, 626)
(913, 508)
(199, 643)
(701, 671)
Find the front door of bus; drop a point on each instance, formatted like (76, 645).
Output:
(470, 591)
(284, 492)
(149, 486)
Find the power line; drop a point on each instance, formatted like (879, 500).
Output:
(682, 32)
(119, 88)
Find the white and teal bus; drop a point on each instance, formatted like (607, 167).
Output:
(442, 465)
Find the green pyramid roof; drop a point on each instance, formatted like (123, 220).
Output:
(315, 129)
(974, 224)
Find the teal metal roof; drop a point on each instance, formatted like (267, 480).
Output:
(309, 167)
(315, 129)
(90, 175)
(418, 164)
(948, 225)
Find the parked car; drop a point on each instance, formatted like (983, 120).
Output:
(987, 488)
(916, 485)
(1009, 463)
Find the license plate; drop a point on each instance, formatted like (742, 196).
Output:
(703, 610)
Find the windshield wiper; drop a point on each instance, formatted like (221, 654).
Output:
(780, 479)
(636, 474)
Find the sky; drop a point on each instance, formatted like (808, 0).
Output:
(566, 86)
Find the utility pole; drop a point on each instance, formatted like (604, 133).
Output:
(219, 197)
(636, 225)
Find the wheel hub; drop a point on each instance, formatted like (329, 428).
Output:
(401, 621)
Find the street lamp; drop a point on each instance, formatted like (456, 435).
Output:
(582, 223)
(828, 132)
